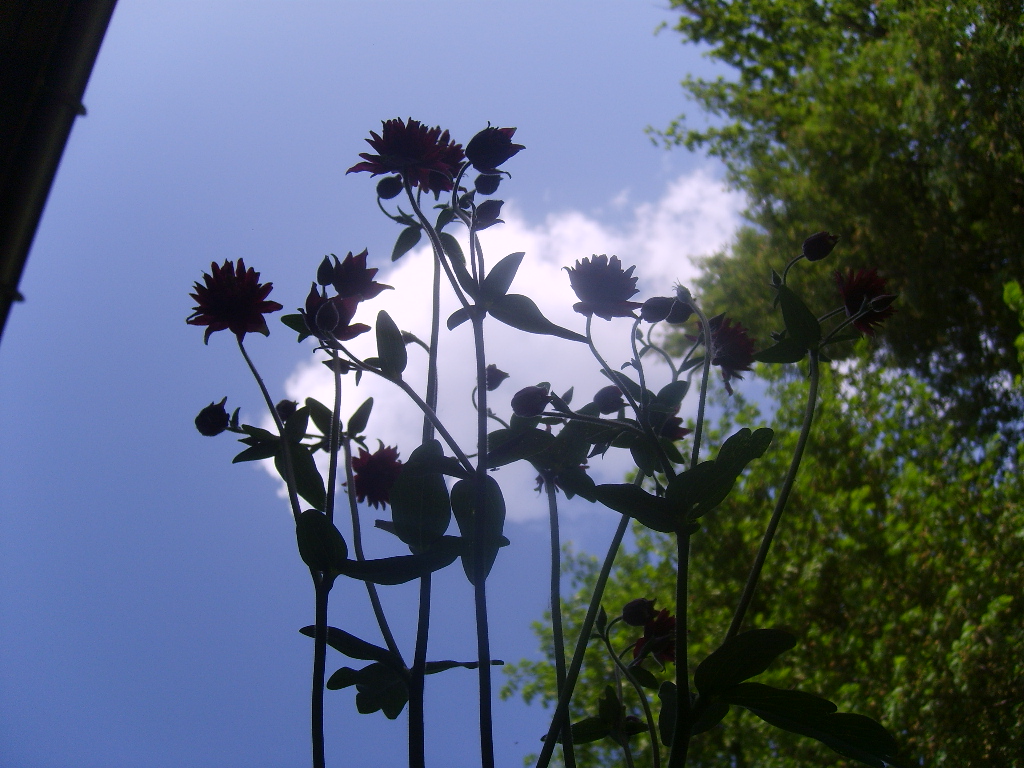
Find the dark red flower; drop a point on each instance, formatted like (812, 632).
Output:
(233, 299)
(732, 349)
(352, 279)
(858, 288)
(659, 639)
(491, 147)
(603, 287)
(673, 428)
(375, 473)
(426, 157)
(326, 318)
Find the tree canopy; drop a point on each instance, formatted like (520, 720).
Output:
(899, 125)
(897, 566)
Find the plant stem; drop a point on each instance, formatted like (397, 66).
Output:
(357, 546)
(322, 584)
(705, 374)
(289, 478)
(562, 708)
(652, 726)
(683, 725)
(334, 438)
(479, 566)
(568, 753)
(780, 502)
(417, 754)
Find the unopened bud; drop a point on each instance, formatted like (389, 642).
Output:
(494, 376)
(487, 183)
(286, 408)
(213, 419)
(530, 401)
(819, 245)
(657, 309)
(638, 612)
(389, 187)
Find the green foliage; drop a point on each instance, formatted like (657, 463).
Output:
(896, 124)
(1014, 298)
(896, 567)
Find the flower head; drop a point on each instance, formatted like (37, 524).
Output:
(864, 287)
(425, 157)
(530, 401)
(326, 318)
(352, 279)
(659, 638)
(603, 287)
(493, 376)
(491, 147)
(673, 428)
(213, 419)
(375, 473)
(818, 246)
(638, 612)
(232, 299)
(732, 349)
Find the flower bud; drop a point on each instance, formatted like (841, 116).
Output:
(213, 419)
(487, 213)
(494, 376)
(530, 401)
(491, 147)
(389, 187)
(657, 309)
(638, 612)
(609, 399)
(286, 408)
(325, 272)
(679, 313)
(487, 183)
(819, 245)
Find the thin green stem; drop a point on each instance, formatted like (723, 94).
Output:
(417, 753)
(652, 726)
(780, 502)
(334, 438)
(480, 546)
(568, 753)
(705, 374)
(357, 547)
(289, 472)
(573, 673)
(323, 586)
(683, 726)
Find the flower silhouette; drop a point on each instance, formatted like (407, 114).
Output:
(732, 349)
(491, 147)
(603, 287)
(426, 157)
(859, 287)
(375, 473)
(232, 299)
(659, 638)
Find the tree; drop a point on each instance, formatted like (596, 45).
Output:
(897, 566)
(898, 125)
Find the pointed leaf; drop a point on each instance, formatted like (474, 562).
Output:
(634, 501)
(321, 545)
(407, 240)
(498, 280)
(358, 420)
(419, 500)
(390, 347)
(851, 735)
(491, 522)
(399, 570)
(380, 688)
(788, 350)
(520, 312)
(667, 716)
(457, 318)
(739, 658)
(322, 416)
(801, 324)
(308, 482)
(298, 324)
(506, 445)
(356, 648)
(263, 450)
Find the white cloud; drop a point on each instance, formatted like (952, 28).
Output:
(695, 217)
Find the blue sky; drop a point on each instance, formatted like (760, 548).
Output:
(150, 592)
